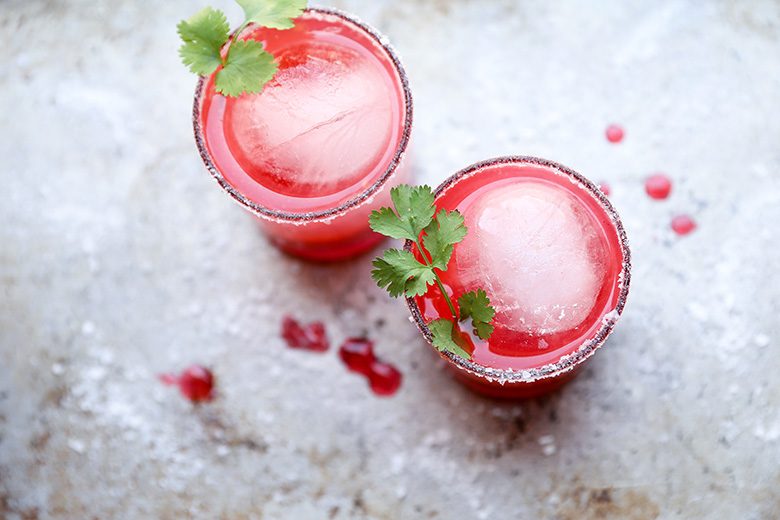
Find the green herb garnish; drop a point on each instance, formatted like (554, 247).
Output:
(400, 272)
(246, 65)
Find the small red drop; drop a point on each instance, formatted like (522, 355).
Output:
(658, 186)
(605, 188)
(683, 224)
(196, 383)
(169, 379)
(384, 378)
(309, 337)
(614, 133)
(358, 355)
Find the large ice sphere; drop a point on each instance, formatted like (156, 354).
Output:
(320, 126)
(538, 253)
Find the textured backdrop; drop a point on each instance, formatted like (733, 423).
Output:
(121, 259)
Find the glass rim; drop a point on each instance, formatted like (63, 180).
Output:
(365, 195)
(589, 346)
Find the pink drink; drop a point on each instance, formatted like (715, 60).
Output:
(550, 251)
(320, 147)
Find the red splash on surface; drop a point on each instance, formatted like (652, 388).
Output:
(683, 224)
(358, 356)
(305, 337)
(658, 186)
(196, 383)
(614, 133)
(605, 188)
(384, 379)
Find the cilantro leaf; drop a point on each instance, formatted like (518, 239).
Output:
(418, 285)
(476, 305)
(483, 330)
(441, 235)
(414, 212)
(203, 35)
(400, 272)
(249, 67)
(384, 221)
(414, 206)
(277, 14)
(442, 338)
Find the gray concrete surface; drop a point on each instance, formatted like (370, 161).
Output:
(120, 259)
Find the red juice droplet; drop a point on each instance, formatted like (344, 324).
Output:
(614, 133)
(196, 383)
(605, 188)
(169, 379)
(384, 378)
(309, 337)
(358, 355)
(658, 186)
(683, 224)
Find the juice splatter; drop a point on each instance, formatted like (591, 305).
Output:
(306, 337)
(658, 186)
(614, 133)
(196, 383)
(358, 355)
(384, 379)
(683, 224)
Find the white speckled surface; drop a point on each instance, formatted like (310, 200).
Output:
(120, 259)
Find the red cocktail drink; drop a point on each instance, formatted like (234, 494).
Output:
(551, 253)
(322, 144)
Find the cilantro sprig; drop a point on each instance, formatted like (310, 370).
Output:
(414, 217)
(246, 65)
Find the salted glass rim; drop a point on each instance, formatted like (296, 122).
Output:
(363, 196)
(568, 361)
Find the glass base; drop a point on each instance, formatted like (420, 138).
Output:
(330, 251)
(496, 390)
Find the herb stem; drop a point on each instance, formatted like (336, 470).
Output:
(438, 280)
(234, 39)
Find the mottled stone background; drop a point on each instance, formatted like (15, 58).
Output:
(120, 259)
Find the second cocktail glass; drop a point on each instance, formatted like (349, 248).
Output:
(550, 251)
(320, 147)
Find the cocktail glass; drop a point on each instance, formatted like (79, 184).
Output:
(550, 251)
(320, 147)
